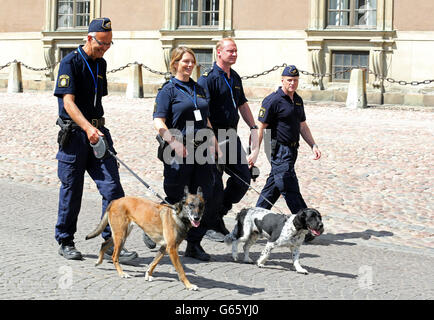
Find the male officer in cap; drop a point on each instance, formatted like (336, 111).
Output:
(79, 88)
(283, 113)
(226, 100)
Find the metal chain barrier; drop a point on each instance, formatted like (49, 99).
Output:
(161, 73)
(253, 76)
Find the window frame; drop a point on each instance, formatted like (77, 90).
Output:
(200, 12)
(343, 66)
(352, 14)
(199, 51)
(74, 15)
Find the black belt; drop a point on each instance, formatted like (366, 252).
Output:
(97, 123)
(294, 144)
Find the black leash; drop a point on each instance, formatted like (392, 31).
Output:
(250, 187)
(100, 150)
(140, 179)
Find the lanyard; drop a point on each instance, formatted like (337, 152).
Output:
(194, 98)
(95, 80)
(230, 88)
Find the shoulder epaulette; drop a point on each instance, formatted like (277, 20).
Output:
(206, 73)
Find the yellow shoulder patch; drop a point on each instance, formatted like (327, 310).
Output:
(63, 81)
(261, 112)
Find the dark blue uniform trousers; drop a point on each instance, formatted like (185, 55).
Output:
(73, 161)
(176, 177)
(235, 188)
(283, 181)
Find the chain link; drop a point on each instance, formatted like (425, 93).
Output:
(161, 73)
(6, 65)
(253, 76)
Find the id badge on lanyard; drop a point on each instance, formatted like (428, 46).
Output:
(230, 89)
(95, 80)
(196, 112)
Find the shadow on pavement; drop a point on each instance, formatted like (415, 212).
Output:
(337, 239)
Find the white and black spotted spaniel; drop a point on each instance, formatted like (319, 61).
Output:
(279, 229)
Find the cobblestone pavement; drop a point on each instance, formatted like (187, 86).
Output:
(373, 185)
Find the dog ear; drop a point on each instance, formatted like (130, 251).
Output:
(199, 191)
(300, 220)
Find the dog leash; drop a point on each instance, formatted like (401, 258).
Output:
(250, 187)
(140, 179)
(100, 150)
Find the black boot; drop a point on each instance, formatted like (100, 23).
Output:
(194, 250)
(69, 252)
(148, 241)
(124, 256)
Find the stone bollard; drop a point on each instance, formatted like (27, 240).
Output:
(15, 81)
(356, 97)
(135, 82)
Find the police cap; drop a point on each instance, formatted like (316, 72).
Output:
(100, 25)
(290, 71)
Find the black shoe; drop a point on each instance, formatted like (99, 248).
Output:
(125, 255)
(194, 250)
(214, 236)
(148, 241)
(69, 252)
(221, 228)
(309, 237)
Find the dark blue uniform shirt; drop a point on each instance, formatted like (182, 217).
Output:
(174, 102)
(75, 78)
(223, 113)
(283, 116)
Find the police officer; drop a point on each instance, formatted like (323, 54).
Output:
(226, 100)
(79, 88)
(181, 112)
(283, 113)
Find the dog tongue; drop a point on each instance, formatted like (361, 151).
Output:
(195, 223)
(315, 233)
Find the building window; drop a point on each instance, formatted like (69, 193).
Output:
(352, 13)
(204, 59)
(73, 14)
(342, 60)
(198, 13)
(65, 51)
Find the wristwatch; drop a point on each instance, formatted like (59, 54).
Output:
(254, 127)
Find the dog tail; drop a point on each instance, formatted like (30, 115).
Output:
(238, 229)
(99, 229)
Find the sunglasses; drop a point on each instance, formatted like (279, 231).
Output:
(103, 43)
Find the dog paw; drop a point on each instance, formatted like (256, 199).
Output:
(192, 288)
(302, 271)
(148, 277)
(260, 265)
(124, 275)
(235, 257)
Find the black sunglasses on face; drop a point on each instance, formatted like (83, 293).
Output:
(103, 43)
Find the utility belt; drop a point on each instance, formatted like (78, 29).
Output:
(66, 127)
(275, 145)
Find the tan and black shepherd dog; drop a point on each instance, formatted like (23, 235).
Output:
(165, 225)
